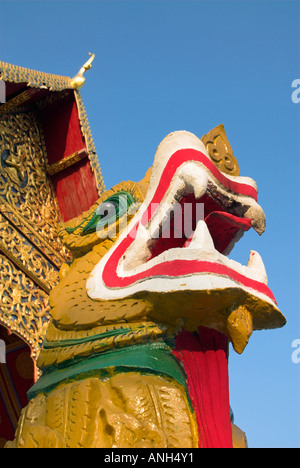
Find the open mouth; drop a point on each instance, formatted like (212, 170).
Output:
(187, 226)
(192, 222)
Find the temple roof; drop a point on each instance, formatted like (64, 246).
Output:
(32, 78)
(27, 89)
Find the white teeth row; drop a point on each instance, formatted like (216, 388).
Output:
(203, 243)
(201, 247)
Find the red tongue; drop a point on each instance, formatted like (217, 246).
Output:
(223, 228)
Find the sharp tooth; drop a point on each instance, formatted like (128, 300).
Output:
(195, 178)
(141, 246)
(178, 189)
(256, 265)
(142, 232)
(200, 184)
(202, 239)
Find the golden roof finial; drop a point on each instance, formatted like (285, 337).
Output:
(79, 80)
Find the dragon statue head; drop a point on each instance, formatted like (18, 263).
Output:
(163, 255)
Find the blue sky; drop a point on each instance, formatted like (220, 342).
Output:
(190, 65)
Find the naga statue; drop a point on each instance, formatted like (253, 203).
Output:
(136, 352)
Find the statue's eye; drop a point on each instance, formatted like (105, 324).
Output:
(106, 214)
(109, 212)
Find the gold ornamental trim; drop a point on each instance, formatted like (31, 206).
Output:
(33, 78)
(19, 222)
(66, 162)
(27, 197)
(92, 154)
(12, 104)
(25, 308)
(26, 256)
(220, 151)
(31, 252)
(19, 264)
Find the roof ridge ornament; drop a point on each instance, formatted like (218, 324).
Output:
(78, 81)
(220, 151)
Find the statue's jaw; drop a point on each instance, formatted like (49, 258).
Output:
(191, 218)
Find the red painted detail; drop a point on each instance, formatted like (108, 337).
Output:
(12, 90)
(16, 378)
(61, 128)
(204, 356)
(178, 233)
(75, 186)
(185, 155)
(178, 268)
(223, 228)
(76, 189)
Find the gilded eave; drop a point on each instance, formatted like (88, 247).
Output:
(33, 78)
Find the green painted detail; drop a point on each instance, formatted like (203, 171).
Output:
(100, 336)
(105, 214)
(152, 358)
